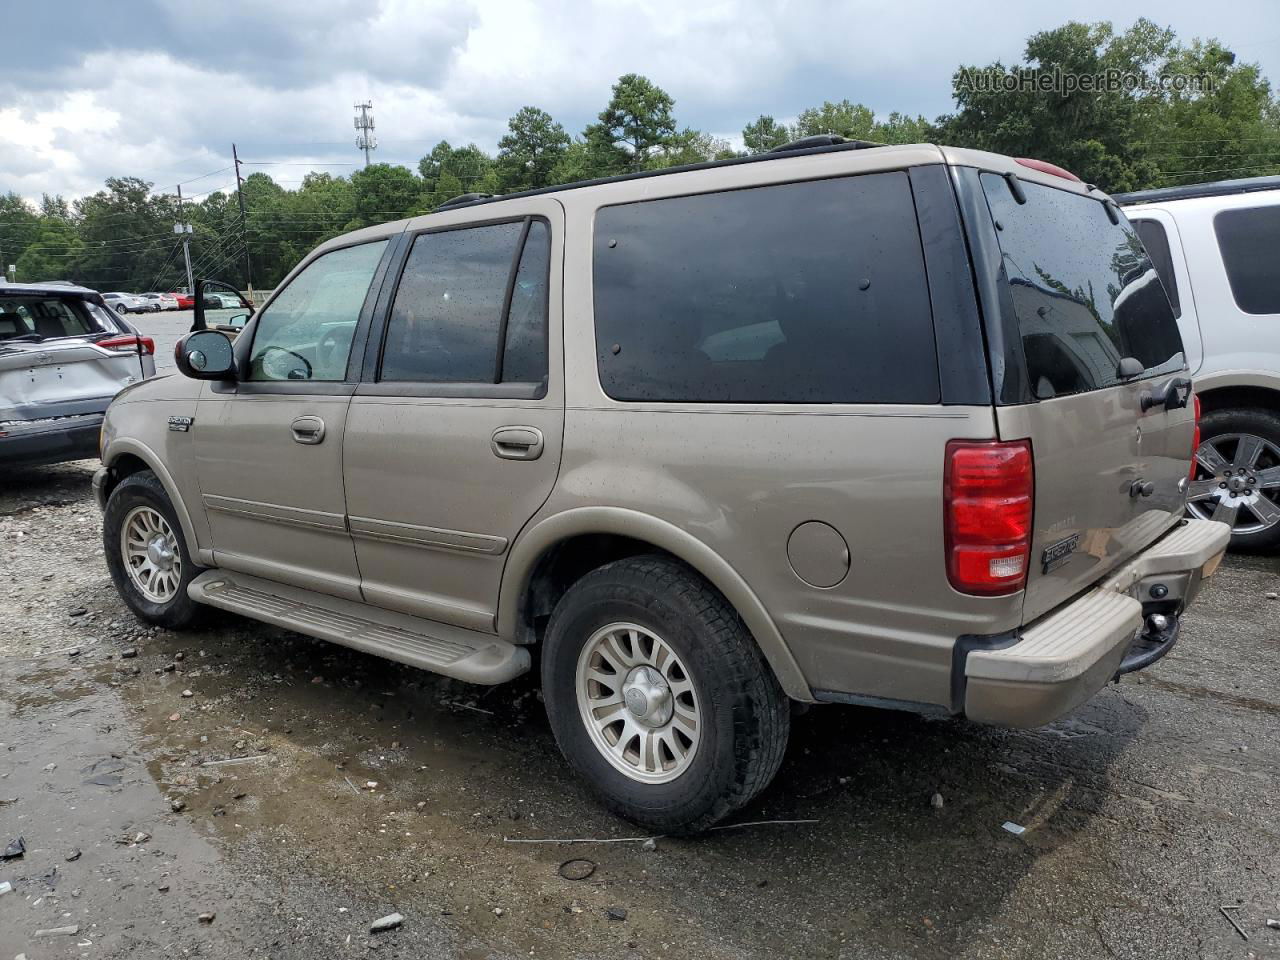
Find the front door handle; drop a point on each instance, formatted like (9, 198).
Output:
(517, 443)
(308, 430)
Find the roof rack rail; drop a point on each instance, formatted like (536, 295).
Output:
(823, 140)
(464, 199)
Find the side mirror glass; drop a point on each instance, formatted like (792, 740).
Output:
(217, 304)
(206, 355)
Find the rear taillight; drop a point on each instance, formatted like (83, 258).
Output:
(129, 344)
(1195, 436)
(988, 491)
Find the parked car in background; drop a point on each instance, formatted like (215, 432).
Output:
(123, 303)
(901, 426)
(1216, 247)
(185, 301)
(165, 301)
(63, 356)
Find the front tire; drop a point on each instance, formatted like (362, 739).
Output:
(147, 554)
(1237, 478)
(659, 697)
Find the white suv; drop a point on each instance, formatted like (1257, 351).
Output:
(1215, 247)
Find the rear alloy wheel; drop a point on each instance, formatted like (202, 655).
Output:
(659, 697)
(1237, 476)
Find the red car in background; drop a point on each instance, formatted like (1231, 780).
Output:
(185, 300)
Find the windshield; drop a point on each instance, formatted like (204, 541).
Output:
(34, 318)
(1084, 291)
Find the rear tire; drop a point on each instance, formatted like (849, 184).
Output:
(1247, 443)
(147, 554)
(657, 635)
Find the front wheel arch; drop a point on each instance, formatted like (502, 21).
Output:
(125, 457)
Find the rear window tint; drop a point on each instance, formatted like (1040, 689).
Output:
(1156, 240)
(799, 293)
(1249, 240)
(1084, 291)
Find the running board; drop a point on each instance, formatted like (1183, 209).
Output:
(452, 651)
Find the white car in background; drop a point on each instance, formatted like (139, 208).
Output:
(164, 301)
(1216, 247)
(123, 303)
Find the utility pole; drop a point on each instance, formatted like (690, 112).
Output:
(248, 270)
(184, 228)
(365, 141)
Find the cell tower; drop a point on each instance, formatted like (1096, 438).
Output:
(365, 141)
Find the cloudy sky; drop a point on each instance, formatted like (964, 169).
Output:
(161, 88)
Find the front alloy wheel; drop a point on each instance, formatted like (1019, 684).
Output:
(151, 554)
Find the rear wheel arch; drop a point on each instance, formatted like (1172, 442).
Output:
(1240, 397)
(551, 556)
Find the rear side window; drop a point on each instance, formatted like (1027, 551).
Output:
(799, 293)
(461, 294)
(1085, 293)
(1156, 241)
(45, 318)
(1249, 240)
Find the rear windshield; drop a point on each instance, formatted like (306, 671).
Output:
(1084, 291)
(808, 292)
(33, 318)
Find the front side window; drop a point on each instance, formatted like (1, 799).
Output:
(809, 292)
(459, 305)
(1249, 240)
(1084, 291)
(306, 331)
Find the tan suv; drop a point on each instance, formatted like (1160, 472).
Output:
(904, 426)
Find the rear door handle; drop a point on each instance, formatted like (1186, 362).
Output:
(308, 430)
(517, 443)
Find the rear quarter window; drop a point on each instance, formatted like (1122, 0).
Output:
(1156, 241)
(1084, 291)
(808, 292)
(1249, 240)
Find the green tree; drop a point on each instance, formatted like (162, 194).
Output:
(637, 121)
(384, 192)
(853, 121)
(1103, 137)
(530, 150)
(764, 133)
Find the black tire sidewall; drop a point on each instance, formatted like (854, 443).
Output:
(1259, 423)
(145, 489)
(607, 599)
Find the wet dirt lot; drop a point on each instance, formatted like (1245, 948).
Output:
(320, 789)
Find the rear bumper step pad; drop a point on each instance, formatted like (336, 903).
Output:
(440, 648)
(1070, 654)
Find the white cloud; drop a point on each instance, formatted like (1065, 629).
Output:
(165, 93)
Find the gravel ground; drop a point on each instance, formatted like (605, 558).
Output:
(303, 790)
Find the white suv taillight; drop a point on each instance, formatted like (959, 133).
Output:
(988, 493)
(129, 344)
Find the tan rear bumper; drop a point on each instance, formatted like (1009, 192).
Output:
(1068, 655)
